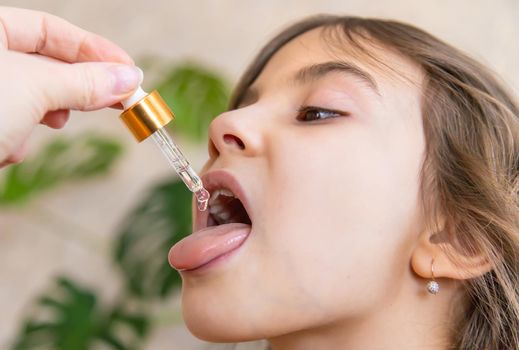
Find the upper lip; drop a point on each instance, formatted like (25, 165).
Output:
(216, 179)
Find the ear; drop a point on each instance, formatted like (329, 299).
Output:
(449, 261)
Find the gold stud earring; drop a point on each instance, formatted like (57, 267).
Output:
(432, 286)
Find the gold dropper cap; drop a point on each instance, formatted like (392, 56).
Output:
(147, 115)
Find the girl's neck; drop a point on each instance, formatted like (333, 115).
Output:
(404, 323)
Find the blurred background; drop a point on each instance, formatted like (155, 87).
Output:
(87, 220)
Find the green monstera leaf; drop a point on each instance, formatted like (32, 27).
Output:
(196, 95)
(69, 318)
(159, 221)
(61, 160)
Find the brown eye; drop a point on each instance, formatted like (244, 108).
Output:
(310, 113)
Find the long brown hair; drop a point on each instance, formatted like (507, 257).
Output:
(470, 170)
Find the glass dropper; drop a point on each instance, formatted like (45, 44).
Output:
(147, 115)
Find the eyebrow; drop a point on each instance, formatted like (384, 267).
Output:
(318, 71)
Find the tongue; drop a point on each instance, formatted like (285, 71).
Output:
(207, 244)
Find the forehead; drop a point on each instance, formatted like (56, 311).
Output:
(390, 70)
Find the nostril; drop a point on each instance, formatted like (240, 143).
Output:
(228, 138)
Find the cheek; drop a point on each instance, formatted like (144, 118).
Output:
(339, 217)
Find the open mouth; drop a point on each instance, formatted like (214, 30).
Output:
(228, 203)
(226, 208)
(219, 231)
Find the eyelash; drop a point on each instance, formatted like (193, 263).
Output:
(303, 112)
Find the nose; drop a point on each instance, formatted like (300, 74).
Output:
(235, 132)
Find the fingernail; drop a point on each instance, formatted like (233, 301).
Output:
(127, 78)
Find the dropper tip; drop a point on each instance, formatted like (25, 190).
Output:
(202, 199)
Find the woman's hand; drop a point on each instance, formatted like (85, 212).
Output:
(49, 66)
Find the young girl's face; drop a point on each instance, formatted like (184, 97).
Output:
(328, 150)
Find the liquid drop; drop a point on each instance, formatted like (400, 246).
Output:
(202, 198)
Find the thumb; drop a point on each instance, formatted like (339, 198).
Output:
(88, 86)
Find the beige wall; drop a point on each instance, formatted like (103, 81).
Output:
(34, 242)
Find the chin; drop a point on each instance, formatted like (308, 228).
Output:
(220, 320)
(207, 329)
(212, 321)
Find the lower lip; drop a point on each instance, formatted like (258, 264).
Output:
(208, 247)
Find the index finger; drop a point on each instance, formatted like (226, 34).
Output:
(33, 31)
